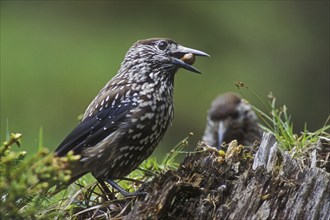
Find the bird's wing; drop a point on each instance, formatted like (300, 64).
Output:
(102, 120)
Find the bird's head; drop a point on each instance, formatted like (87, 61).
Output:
(161, 54)
(231, 118)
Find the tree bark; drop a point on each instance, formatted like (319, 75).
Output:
(266, 183)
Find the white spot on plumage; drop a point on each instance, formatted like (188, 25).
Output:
(121, 163)
(119, 157)
(123, 148)
(146, 103)
(144, 140)
(136, 136)
(140, 126)
(150, 115)
(84, 159)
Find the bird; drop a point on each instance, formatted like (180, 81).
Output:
(231, 118)
(128, 118)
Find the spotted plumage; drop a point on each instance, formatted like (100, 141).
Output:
(127, 119)
(231, 118)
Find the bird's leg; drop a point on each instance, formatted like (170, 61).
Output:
(122, 191)
(108, 195)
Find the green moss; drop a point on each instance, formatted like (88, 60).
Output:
(26, 180)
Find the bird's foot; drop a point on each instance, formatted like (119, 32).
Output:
(138, 193)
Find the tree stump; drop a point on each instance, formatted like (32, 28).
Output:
(266, 183)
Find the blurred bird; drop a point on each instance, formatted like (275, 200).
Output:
(231, 118)
(127, 119)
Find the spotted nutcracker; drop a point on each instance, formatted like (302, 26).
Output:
(231, 118)
(128, 118)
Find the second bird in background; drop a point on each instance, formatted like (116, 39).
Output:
(231, 118)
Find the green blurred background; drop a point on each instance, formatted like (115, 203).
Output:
(57, 55)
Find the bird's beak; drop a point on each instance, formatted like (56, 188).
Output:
(221, 133)
(177, 58)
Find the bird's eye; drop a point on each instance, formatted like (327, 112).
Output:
(162, 45)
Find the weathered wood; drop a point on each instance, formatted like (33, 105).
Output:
(266, 184)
